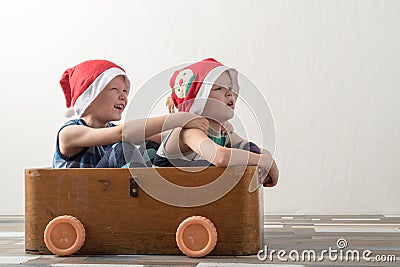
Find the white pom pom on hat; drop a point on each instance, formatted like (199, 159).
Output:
(84, 82)
(69, 112)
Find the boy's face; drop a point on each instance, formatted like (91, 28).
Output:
(111, 102)
(221, 101)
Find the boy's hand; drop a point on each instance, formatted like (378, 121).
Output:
(269, 181)
(170, 104)
(227, 128)
(269, 170)
(198, 123)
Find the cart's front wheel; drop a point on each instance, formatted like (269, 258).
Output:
(196, 236)
(64, 235)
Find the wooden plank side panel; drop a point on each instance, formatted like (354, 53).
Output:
(117, 223)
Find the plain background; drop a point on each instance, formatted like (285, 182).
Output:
(329, 71)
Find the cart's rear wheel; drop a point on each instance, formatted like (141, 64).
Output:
(196, 236)
(64, 235)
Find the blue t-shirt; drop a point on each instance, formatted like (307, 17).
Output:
(87, 158)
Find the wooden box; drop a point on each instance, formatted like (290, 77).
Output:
(116, 222)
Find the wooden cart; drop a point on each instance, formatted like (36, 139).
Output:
(119, 217)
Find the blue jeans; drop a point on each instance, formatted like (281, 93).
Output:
(122, 155)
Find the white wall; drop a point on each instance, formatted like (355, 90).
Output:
(329, 70)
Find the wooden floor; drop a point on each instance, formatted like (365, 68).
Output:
(302, 239)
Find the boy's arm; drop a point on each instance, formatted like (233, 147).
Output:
(75, 137)
(271, 174)
(137, 131)
(222, 156)
(155, 138)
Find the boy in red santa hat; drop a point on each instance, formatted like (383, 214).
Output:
(96, 91)
(210, 89)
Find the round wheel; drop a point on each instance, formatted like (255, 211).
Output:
(64, 235)
(196, 236)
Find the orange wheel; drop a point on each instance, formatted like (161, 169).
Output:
(196, 236)
(64, 235)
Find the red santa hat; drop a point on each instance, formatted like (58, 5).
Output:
(84, 82)
(191, 85)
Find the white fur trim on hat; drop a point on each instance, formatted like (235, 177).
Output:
(90, 94)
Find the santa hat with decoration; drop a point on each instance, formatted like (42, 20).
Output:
(191, 85)
(84, 82)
